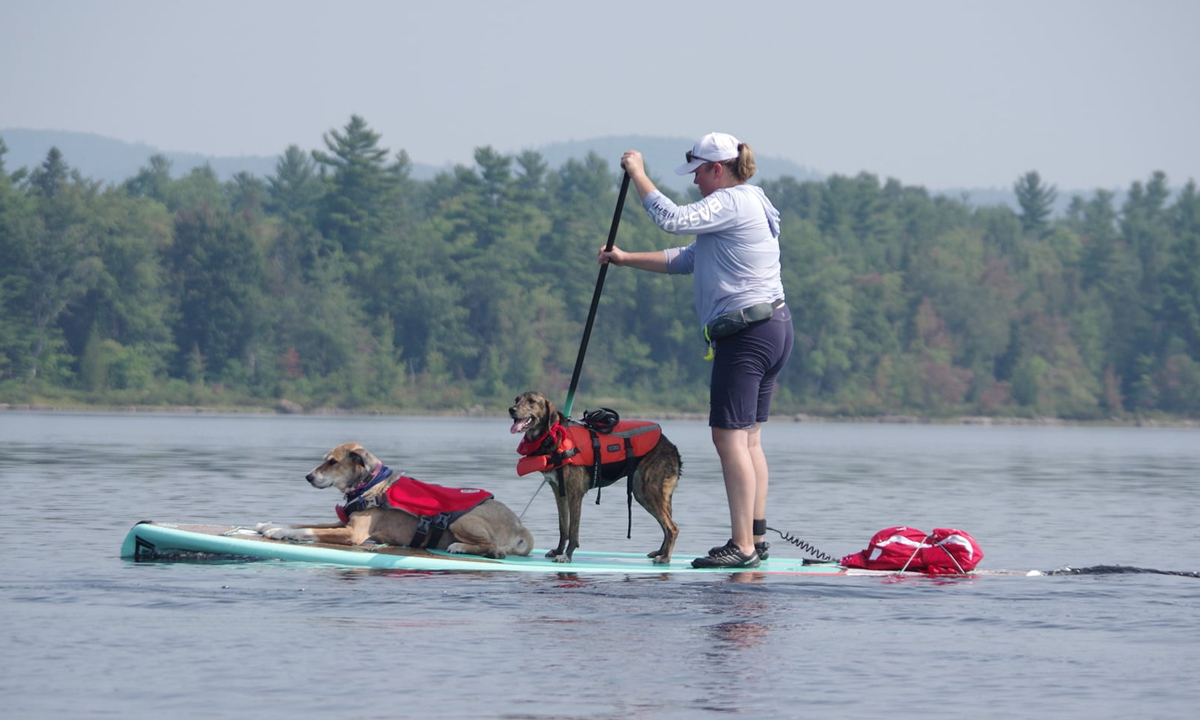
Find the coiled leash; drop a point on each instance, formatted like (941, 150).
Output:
(805, 546)
(604, 420)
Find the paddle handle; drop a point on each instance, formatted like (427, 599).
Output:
(591, 318)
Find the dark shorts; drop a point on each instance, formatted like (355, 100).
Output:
(744, 371)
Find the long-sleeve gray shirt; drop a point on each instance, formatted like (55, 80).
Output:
(735, 256)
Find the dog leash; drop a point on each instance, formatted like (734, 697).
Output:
(535, 494)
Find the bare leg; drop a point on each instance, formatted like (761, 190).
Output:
(741, 481)
(759, 458)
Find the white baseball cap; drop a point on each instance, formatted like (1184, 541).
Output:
(713, 147)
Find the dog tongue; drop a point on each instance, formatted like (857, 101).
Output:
(519, 426)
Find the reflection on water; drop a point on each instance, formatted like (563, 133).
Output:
(739, 634)
(226, 639)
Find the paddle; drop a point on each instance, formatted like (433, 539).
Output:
(591, 318)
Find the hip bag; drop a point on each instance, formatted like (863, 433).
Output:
(734, 322)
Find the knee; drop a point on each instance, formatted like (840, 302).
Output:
(736, 441)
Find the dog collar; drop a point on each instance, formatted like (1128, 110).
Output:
(354, 498)
(552, 438)
(381, 472)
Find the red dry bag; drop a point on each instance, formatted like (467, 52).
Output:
(942, 552)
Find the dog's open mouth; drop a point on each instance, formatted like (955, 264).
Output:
(520, 425)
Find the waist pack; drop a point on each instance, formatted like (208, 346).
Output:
(734, 322)
(942, 552)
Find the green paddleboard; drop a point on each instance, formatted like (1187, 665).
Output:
(150, 541)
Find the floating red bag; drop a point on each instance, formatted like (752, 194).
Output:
(942, 552)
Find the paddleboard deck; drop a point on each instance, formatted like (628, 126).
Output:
(149, 541)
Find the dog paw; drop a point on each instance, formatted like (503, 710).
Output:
(263, 527)
(281, 533)
(456, 548)
(564, 558)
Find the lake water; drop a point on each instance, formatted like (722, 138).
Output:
(84, 633)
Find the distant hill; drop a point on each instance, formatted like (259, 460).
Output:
(114, 161)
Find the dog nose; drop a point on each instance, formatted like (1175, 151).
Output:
(309, 477)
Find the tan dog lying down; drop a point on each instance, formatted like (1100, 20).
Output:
(489, 528)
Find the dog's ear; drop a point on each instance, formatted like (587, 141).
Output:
(551, 411)
(356, 457)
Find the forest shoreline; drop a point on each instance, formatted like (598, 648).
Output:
(479, 411)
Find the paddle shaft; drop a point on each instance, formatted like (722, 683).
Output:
(591, 318)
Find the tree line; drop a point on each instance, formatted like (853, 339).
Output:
(340, 281)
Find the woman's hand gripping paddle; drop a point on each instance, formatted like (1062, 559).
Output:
(591, 318)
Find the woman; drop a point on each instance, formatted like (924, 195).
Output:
(740, 303)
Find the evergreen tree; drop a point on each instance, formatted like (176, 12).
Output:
(1146, 227)
(51, 175)
(16, 327)
(356, 209)
(58, 261)
(1037, 203)
(246, 195)
(126, 313)
(531, 182)
(295, 188)
(1181, 275)
(1096, 222)
(153, 181)
(217, 272)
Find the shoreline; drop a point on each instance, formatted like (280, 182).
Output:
(286, 408)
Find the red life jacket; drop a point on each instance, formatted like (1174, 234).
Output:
(577, 444)
(415, 498)
(944, 551)
(420, 498)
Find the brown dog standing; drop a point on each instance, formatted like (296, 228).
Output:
(490, 528)
(652, 483)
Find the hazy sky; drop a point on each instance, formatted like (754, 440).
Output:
(1090, 93)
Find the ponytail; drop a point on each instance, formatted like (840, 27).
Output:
(742, 167)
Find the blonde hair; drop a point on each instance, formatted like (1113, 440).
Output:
(742, 167)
